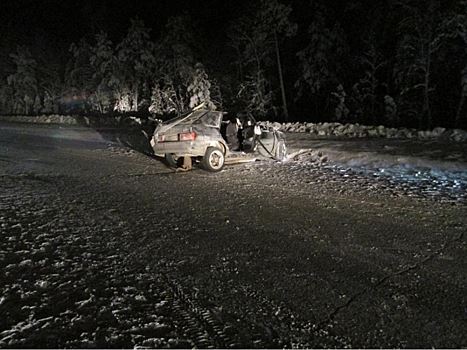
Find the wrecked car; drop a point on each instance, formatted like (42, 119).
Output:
(201, 135)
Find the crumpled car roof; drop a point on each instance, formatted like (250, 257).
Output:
(186, 118)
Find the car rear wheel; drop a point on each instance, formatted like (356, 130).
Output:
(214, 159)
(171, 160)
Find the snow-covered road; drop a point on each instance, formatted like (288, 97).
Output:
(104, 246)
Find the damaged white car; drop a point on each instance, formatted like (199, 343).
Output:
(201, 135)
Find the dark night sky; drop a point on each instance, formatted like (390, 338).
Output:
(55, 24)
(68, 21)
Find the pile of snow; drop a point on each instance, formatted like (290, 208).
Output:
(364, 131)
(439, 170)
(74, 120)
(42, 119)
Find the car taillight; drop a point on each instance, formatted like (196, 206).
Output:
(187, 136)
(161, 138)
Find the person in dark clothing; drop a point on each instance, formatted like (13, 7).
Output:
(232, 135)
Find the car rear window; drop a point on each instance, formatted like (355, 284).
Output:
(211, 119)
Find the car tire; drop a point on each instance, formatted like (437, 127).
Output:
(171, 160)
(214, 159)
(281, 150)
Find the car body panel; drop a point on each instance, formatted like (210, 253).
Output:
(206, 124)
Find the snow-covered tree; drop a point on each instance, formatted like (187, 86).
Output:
(50, 77)
(49, 104)
(390, 110)
(136, 65)
(6, 97)
(175, 61)
(176, 56)
(421, 36)
(462, 98)
(321, 60)
(199, 89)
(23, 81)
(455, 25)
(364, 92)
(79, 73)
(164, 100)
(216, 94)
(254, 89)
(256, 95)
(257, 37)
(79, 76)
(276, 15)
(157, 101)
(341, 110)
(102, 61)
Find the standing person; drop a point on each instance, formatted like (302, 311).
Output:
(231, 133)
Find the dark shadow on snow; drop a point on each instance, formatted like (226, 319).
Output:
(123, 130)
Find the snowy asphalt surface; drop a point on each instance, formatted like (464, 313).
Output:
(104, 246)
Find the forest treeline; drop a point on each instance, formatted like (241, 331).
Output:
(373, 62)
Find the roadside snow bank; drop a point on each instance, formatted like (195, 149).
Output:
(114, 121)
(315, 129)
(41, 119)
(365, 131)
(433, 167)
